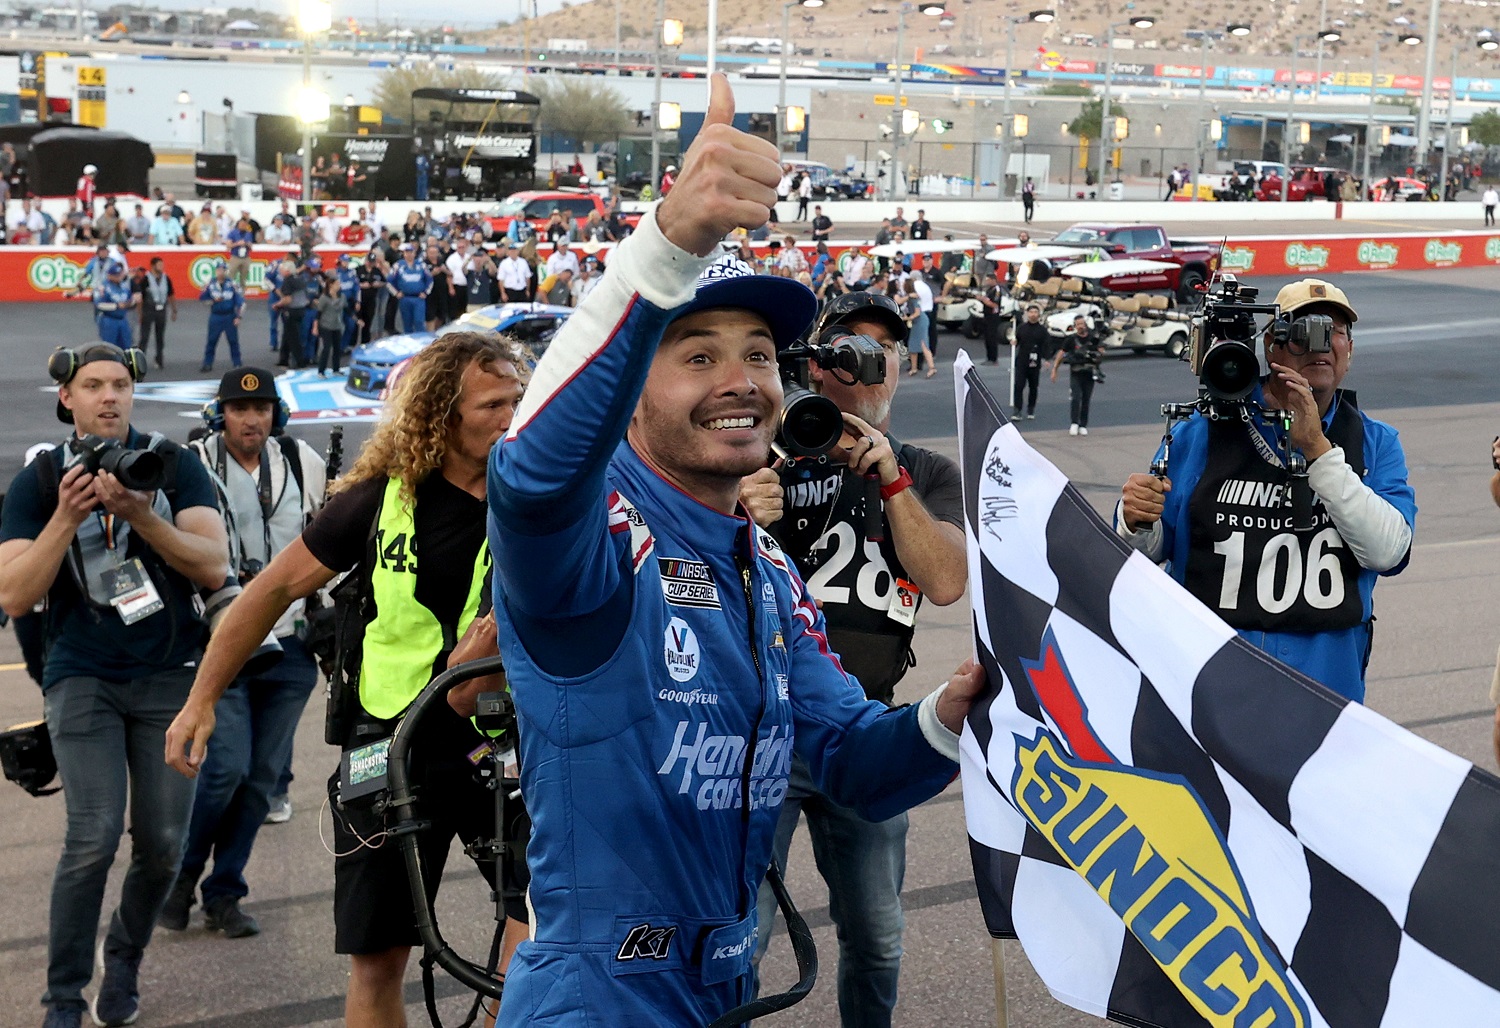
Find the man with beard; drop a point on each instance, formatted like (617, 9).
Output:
(870, 593)
(665, 657)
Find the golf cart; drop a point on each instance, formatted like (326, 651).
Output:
(1137, 322)
(957, 305)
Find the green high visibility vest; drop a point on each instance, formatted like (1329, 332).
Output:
(405, 637)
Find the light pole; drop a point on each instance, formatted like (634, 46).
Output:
(313, 17)
(1237, 29)
(898, 173)
(1323, 36)
(786, 31)
(1105, 133)
(1318, 73)
(1484, 43)
(668, 33)
(1405, 40)
(1424, 113)
(1010, 47)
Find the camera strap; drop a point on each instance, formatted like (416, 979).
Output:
(263, 491)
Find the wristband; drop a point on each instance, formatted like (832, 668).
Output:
(903, 481)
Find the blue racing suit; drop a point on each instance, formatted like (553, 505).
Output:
(112, 312)
(227, 305)
(411, 282)
(349, 286)
(1304, 597)
(666, 662)
(273, 291)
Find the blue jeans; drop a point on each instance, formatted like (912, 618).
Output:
(252, 744)
(275, 322)
(864, 864)
(108, 736)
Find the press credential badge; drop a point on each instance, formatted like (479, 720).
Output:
(131, 591)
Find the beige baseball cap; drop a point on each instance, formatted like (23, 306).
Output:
(1308, 291)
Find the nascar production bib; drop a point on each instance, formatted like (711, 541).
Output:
(1246, 559)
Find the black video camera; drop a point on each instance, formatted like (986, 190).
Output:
(1222, 346)
(141, 470)
(811, 424)
(26, 757)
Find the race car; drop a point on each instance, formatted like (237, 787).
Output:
(371, 364)
(532, 324)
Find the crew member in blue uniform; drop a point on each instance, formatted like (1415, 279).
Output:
(424, 168)
(273, 290)
(665, 656)
(349, 286)
(113, 298)
(227, 307)
(410, 282)
(1299, 588)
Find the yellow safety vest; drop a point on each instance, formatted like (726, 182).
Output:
(405, 637)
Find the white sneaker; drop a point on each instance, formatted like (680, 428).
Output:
(1072, 430)
(280, 812)
(1083, 431)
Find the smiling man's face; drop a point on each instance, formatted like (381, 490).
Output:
(708, 412)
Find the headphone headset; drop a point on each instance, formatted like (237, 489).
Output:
(213, 415)
(65, 362)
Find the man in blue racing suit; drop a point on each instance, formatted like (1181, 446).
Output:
(1301, 592)
(665, 657)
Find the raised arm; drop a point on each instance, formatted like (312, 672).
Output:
(548, 505)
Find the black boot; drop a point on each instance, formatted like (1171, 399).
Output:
(224, 915)
(174, 915)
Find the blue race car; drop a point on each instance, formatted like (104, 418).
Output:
(371, 365)
(532, 324)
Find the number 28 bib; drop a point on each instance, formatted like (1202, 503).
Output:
(1245, 559)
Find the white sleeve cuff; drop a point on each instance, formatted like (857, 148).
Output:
(934, 731)
(655, 267)
(1376, 532)
(1147, 541)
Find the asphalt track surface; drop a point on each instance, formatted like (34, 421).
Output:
(1425, 360)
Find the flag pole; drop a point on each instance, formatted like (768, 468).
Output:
(1002, 1017)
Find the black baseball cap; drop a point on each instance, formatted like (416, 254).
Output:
(863, 304)
(247, 383)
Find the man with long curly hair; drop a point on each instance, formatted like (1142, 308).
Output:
(410, 514)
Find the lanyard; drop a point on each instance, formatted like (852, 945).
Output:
(263, 492)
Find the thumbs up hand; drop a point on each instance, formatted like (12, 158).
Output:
(728, 181)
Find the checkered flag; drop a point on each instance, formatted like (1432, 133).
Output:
(1180, 830)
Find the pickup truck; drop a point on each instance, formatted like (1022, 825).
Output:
(1196, 262)
(537, 207)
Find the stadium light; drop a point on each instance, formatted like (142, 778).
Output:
(668, 116)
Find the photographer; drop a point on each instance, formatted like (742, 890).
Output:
(816, 508)
(119, 568)
(268, 486)
(1083, 351)
(1220, 516)
(665, 658)
(409, 516)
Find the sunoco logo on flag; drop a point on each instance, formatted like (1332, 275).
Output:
(1181, 831)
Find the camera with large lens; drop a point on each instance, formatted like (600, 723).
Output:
(216, 604)
(811, 424)
(1221, 347)
(141, 470)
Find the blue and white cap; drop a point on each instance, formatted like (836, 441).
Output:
(787, 305)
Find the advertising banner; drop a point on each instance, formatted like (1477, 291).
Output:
(1331, 255)
(40, 273)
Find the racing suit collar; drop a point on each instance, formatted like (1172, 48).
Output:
(686, 516)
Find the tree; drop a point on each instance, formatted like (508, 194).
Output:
(1089, 117)
(1066, 89)
(580, 107)
(394, 88)
(1484, 128)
